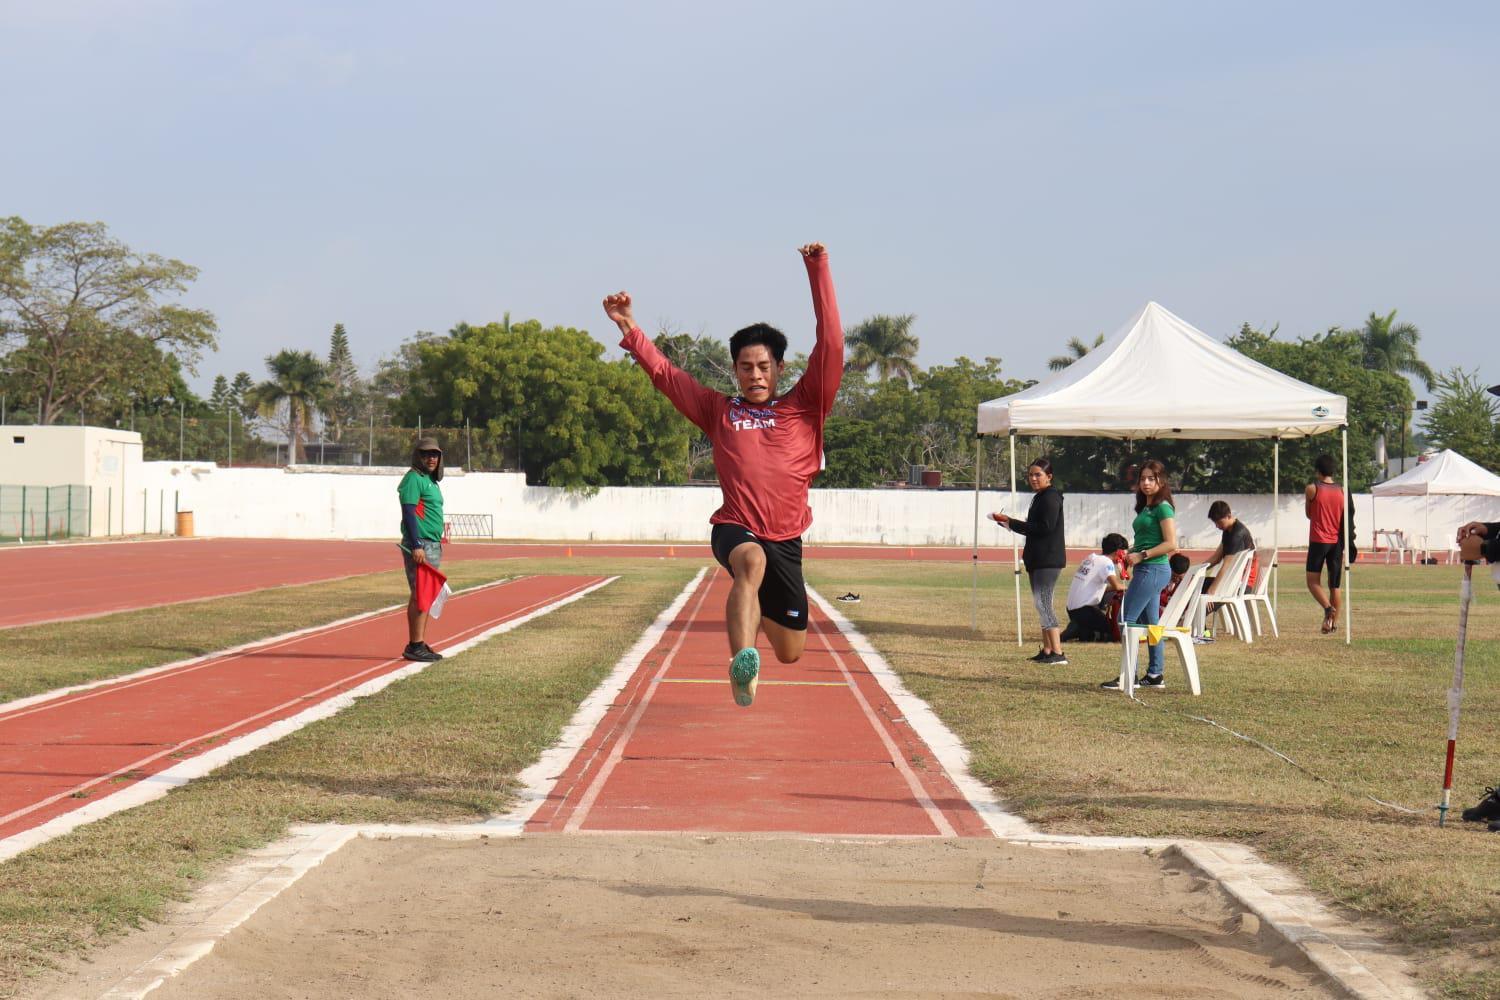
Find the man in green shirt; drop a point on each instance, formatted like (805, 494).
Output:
(421, 536)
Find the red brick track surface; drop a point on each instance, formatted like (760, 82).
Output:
(40, 584)
(822, 751)
(58, 754)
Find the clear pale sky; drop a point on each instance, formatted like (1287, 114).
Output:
(1014, 174)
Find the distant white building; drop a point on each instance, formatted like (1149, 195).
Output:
(104, 462)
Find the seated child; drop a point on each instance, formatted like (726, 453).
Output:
(1095, 583)
(1180, 565)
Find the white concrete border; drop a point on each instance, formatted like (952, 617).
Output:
(159, 784)
(1360, 965)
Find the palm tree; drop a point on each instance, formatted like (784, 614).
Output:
(1076, 348)
(301, 381)
(884, 343)
(1392, 347)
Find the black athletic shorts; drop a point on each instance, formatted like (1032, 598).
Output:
(1330, 554)
(783, 595)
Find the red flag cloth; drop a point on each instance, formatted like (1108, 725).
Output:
(432, 590)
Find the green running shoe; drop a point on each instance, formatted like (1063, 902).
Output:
(744, 669)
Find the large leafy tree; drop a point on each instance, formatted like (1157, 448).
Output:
(296, 389)
(569, 418)
(1076, 348)
(1463, 417)
(886, 344)
(87, 323)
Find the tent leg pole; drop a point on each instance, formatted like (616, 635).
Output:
(1276, 525)
(1015, 542)
(1348, 574)
(974, 577)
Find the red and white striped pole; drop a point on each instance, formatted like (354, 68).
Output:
(1456, 692)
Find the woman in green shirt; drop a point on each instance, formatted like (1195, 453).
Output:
(1155, 528)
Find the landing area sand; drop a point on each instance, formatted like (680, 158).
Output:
(638, 916)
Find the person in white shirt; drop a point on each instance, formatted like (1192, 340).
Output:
(1096, 577)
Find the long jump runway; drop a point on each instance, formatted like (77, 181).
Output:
(822, 751)
(72, 750)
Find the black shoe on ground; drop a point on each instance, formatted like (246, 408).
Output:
(1054, 660)
(1487, 809)
(420, 652)
(850, 598)
(1156, 682)
(432, 651)
(1495, 826)
(1113, 684)
(1038, 657)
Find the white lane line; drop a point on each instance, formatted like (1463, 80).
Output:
(945, 746)
(156, 785)
(540, 779)
(581, 811)
(934, 814)
(12, 709)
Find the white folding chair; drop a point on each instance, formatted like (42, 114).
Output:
(1228, 595)
(1172, 617)
(1261, 595)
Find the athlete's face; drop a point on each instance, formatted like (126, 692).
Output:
(757, 371)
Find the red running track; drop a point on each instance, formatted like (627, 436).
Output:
(59, 754)
(822, 751)
(41, 584)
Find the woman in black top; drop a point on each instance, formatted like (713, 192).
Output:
(1045, 555)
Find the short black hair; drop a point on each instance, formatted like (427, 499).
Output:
(1324, 465)
(758, 333)
(1180, 563)
(1113, 542)
(1218, 509)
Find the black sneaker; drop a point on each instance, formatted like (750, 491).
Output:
(1040, 656)
(1157, 681)
(850, 598)
(432, 651)
(1487, 809)
(1495, 826)
(1054, 660)
(1113, 684)
(420, 652)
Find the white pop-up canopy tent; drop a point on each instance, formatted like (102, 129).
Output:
(1445, 474)
(1158, 376)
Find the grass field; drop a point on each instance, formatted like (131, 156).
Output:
(1370, 718)
(446, 745)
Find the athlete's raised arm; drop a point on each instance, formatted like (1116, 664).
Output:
(692, 399)
(825, 367)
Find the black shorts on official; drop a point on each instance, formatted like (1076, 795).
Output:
(1330, 554)
(783, 595)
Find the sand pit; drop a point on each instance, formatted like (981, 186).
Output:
(618, 916)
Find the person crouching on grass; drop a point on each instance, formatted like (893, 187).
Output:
(767, 450)
(421, 537)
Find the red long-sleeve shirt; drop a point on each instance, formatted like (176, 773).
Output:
(768, 454)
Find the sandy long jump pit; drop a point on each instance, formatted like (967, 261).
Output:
(651, 916)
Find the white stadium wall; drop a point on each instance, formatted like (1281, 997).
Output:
(312, 502)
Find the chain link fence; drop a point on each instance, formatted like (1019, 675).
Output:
(44, 512)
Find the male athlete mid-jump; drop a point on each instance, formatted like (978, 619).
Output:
(767, 450)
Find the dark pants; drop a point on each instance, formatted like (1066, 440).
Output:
(1088, 624)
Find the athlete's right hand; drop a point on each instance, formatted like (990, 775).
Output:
(617, 308)
(419, 555)
(1477, 528)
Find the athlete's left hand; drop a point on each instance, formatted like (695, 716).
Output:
(812, 250)
(999, 518)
